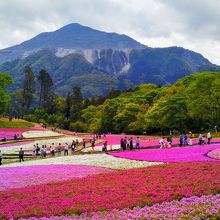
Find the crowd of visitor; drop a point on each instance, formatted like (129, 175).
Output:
(127, 143)
(45, 151)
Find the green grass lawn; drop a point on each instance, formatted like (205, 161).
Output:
(15, 124)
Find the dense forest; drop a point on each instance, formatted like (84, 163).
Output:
(192, 102)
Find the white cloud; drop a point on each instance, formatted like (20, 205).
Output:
(157, 23)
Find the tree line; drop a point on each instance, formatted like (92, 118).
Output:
(38, 102)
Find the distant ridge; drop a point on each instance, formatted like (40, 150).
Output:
(99, 61)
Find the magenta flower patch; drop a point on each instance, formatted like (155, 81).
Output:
(176, 154)
(16, 177)
(8, 133)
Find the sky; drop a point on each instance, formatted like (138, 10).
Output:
(192, 24)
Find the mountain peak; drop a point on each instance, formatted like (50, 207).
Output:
(71, 36)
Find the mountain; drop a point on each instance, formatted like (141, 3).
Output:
(98, 61)
(73, 36)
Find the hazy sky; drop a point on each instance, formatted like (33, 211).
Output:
(192, 24)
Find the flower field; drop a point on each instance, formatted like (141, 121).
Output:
(115, 190)
(98, 160)
(174, 183)
(178, 154)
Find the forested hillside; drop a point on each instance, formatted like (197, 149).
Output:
(192, 102)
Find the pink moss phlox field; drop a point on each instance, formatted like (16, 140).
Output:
(16, 177)
(195, 208)
(118, 189)
(215, 154)
(9, 132)
(146, 141)
(177, 154)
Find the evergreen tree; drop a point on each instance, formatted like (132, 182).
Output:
(68, 105)
(76, 101)
(29, 88)
(46, 93)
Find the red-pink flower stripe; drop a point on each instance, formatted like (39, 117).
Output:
(118, 189)
(176, 154)
(17, 177)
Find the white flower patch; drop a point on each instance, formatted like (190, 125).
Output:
(46, 133)
(99, 148)
(100, 160)
(30, 146)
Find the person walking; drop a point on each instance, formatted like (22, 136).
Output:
(21, 155)
(1, 157)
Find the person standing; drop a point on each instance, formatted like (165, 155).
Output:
(45, 150)
(93, 144)
(181, 140)
(122, 144)
(185, 140)
(59, 149)
(37, 150)
(209, 137)
(84, 143)
(161, 142)
(200, 139)
(138, 143)
(1, 157)
(104, 148)
(190, 138)
(42, 151)
(131, 143)
(21, 155)
(66, 149)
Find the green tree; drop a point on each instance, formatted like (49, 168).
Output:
(46, 92)
(5, 81)
(76, 102)
(29, 88)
